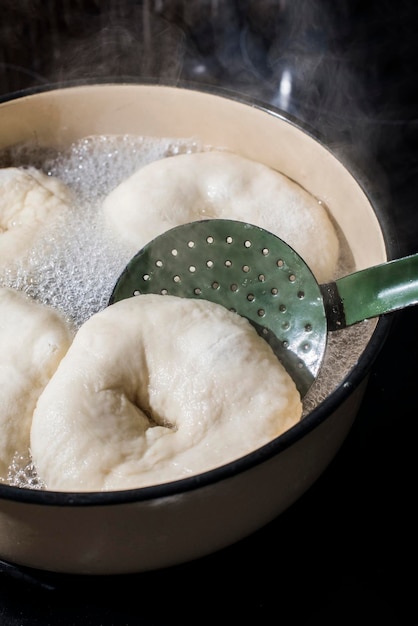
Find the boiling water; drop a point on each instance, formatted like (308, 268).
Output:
(77, 263)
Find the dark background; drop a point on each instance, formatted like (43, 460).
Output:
(346, 552)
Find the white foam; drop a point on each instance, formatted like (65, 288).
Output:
(77, 263)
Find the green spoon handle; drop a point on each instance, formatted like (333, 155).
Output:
(375, 291)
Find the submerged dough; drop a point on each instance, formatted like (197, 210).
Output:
(29, 201)
(156, 388)
(33, 339)
(179, 189)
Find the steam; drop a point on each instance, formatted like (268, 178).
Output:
(120, 43)
(284, 53)
(294, 54)
(316, 60)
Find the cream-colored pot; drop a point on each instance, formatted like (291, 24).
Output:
(151, 528)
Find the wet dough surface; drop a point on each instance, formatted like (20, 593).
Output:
(29, 202)
(179, 189)
(33, 339)
(154, 389)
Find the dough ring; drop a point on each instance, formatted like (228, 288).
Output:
(33, 339)
(157, 388)
(180, 189)
(29, 201)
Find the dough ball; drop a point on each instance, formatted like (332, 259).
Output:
(157, 388)
(29, 201)
(180, 189)
(33, 339)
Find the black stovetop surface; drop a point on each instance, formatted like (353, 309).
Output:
(346, 552)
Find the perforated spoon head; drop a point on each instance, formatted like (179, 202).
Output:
(247, 270)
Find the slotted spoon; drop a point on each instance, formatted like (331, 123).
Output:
(253, 272)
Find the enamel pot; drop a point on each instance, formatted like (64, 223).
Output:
(155, 527)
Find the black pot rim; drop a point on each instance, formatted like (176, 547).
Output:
(286, 440)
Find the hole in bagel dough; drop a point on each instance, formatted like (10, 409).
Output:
(156, 420)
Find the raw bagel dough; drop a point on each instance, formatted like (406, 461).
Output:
(29, 201)
(180, 189)
(33, 339)
(156, 388)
